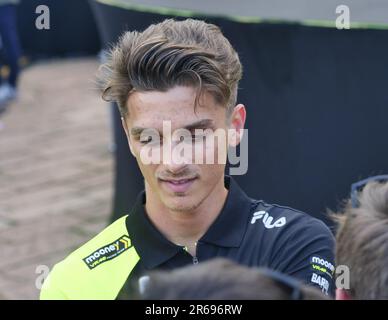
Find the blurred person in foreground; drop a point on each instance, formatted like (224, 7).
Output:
(10, 44)
(221, 279)
(362, 244)
(181, 77)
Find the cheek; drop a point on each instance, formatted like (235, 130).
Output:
(148, 172)
(146, 168)
(210, 176)
(211, 173)
(147, 154)
(213, 151)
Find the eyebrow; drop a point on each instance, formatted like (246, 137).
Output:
(201, 124)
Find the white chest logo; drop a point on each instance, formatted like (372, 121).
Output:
(267, 220)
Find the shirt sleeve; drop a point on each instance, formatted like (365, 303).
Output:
(50, 289)
(306, 252)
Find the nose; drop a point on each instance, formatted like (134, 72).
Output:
(175, 158)
(174, 165)
(176, 169)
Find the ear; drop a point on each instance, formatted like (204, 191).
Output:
(124, 124)
(125, 127)
(237, 122)
(341, 294)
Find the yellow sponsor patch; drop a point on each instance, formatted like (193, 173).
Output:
(108, 252)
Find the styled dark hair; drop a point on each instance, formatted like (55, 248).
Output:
(171, 53)
(219, 279)
(362, 242)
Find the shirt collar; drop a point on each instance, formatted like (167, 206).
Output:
(227, 230)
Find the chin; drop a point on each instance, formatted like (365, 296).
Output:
(181, 203)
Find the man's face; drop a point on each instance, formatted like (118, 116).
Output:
(179, 185)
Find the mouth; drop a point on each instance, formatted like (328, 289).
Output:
(178, 185)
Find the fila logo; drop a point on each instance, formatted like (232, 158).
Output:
(267, 220)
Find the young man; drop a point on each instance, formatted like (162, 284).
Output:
(184, 76)
(363, 245)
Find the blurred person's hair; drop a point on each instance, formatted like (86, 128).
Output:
(171, 53)
(362, 242)
(223, 279)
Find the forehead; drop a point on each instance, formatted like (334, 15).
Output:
(151, 108)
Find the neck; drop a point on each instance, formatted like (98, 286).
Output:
(186, 228)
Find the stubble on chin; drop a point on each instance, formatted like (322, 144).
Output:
(183, 207)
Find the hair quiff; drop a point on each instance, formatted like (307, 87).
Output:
(171, 53)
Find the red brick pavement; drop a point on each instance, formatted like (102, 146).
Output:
(55, 171)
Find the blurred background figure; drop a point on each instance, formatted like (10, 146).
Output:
(362, 243)
(223, 279)
(11, 51)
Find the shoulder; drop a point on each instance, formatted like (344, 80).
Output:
(281, 226)
(286, 219)
(84, 269)
(294, 243)
(110, 234)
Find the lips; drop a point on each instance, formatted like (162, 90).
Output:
(179, 186)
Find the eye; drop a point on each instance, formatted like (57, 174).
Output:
(197, 137)
(149, 137)
(193, 137)
(150, 140)
(145, 139)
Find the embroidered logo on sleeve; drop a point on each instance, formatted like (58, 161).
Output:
(321, 265)
(321, 282)
(108, 252)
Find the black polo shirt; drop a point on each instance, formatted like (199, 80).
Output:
(247, 231)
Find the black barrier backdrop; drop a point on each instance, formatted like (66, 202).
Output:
(72, 29)
(317, 105)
